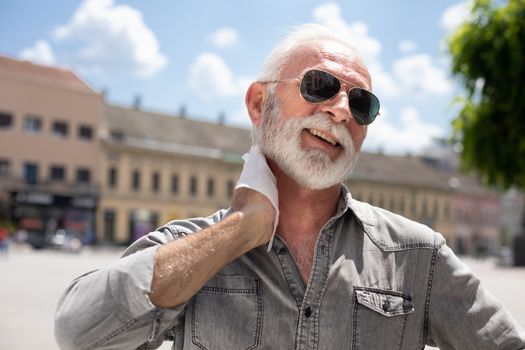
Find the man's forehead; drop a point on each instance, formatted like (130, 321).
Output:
(330, 53)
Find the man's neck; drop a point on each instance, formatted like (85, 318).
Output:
(303, 210)
(303, 213)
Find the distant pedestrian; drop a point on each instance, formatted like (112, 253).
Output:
(4, 241)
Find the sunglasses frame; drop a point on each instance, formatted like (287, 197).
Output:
(342, 82)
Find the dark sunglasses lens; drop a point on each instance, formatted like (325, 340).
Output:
(364, 105)
(318, 86)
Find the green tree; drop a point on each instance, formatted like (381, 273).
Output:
(488, 55)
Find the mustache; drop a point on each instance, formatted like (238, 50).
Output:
(323, 121)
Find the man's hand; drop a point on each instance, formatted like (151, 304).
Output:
(257, 214)
(256, 175)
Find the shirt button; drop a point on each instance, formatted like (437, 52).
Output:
(386, 306)
(308, 311)
(407, 306)
(282, 251)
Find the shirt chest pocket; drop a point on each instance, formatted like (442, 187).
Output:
(379, 318)
(227, 314)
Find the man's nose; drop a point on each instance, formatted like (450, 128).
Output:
(338, 107)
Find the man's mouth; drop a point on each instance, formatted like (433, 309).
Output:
(324, 137)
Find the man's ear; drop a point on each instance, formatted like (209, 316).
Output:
(255, 97)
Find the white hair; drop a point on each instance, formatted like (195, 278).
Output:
(299, 35)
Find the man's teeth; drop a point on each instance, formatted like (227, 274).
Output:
(323, 136)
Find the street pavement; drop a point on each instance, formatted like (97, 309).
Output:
(32, 282)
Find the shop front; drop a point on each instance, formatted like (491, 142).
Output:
(141, 222)
(42, 214)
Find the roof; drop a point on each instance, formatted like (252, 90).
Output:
(418, 172)
(145, 129)
(392, 169)
(49, 75)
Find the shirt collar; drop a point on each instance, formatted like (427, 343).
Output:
(362, 211)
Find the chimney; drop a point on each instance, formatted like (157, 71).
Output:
(137, 102)
(222, 117)
(105, 93)
(182, 111)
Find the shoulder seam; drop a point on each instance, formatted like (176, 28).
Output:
(429, 288)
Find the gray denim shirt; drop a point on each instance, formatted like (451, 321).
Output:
(378, 281)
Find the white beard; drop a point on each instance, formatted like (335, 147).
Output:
(280, 140)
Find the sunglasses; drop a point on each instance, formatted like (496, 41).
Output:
(318, 86)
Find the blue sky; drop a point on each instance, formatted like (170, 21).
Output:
(203, 54)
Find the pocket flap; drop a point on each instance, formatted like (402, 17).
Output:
(386, 302)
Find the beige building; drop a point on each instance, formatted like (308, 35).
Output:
(404, 185)
(157, 167)
(49, 149)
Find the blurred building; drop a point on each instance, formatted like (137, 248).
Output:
(406, 186)
(478, 211)
(49, 149)
(157, 167)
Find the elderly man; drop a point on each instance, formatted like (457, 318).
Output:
(295, 263)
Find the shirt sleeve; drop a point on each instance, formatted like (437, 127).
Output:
(463, 314)
(110, 308)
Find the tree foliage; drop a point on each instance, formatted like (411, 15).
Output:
(488, 55)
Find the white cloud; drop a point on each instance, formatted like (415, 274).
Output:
(329, 15)
(456, 14)
(106, 36)
(417, 72)
(411, 135)
(211, 77)
(40, 53)
(382, 83)
(224, 37)
(240, 118)
(406, 46)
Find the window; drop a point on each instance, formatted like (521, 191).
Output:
(435, 212)
(174, 184)
(32, 124)
(112, 177)
(424, 208)
(83, 175)
(381, 200)
(30, 173)
(6, 120)
(402, 205)
(57, 173)
(446, 211)
(60, 129)
(392, 203)
(4, 168)
(210, 188)
(193, 186)
(230, 188)
(135, 180)
(85, 132)
(155, 182)
(116, 135)
(110, 217)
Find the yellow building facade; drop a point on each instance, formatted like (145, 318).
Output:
(151, 176)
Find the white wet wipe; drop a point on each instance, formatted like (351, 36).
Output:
(256, 175)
